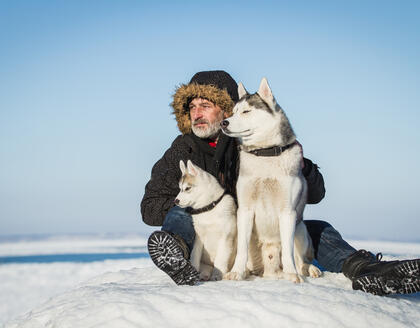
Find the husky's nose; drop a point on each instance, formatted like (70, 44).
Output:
(224, 123)
(176, 201)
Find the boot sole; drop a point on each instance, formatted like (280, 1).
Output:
(401, 279)
(168, 256)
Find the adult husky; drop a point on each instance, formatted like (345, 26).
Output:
(271, 190)
(214, 217)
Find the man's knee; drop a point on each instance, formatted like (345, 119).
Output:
(177, 217)
(316, 225)
(180, 223)
(316, 228)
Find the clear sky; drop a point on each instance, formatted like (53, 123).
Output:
(85, 88)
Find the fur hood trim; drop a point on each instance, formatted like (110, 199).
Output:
(187, 92)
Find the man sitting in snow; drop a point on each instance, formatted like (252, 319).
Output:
(199, 107)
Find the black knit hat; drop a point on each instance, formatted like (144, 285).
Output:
(220, 79)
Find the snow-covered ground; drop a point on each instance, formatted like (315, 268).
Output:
(133, 293)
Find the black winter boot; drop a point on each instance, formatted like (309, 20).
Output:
(170, 253)
(371, 275)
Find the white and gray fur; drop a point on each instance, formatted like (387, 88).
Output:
(272, 238)
(215, 240)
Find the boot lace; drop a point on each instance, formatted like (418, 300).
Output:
(369, 255)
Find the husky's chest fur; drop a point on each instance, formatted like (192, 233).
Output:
(267, 186)
(211, 225)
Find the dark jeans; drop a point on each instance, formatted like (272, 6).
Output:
(330, 248)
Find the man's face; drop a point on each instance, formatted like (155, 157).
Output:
(205, 118)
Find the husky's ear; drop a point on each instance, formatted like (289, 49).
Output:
(241, 90)
(265, 93)
(192, 169)
(182, 167)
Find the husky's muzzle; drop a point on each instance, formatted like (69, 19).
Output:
(224, 124)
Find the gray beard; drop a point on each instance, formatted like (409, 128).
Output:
(212, 130)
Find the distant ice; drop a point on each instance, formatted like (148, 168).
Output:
(137, 294)
(75, 244)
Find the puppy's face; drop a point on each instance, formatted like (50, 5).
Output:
(192, 185)
(187, 189)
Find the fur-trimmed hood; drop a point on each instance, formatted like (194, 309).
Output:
(216, 86)
(187, 92)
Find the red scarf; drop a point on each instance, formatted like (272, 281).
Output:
(213, 144)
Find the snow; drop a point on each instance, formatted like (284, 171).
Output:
(26, 286)
(137, 294)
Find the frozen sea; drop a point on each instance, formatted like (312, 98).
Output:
(109, 281)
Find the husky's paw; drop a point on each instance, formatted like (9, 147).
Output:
(273, 275)
(314, 272)
(293, 277)
(204, 276)
(205, 271)
(216, 275)
(309, 270)
(234, 276)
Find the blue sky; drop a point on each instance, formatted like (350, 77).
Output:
(85, 88)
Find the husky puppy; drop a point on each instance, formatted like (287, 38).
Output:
(214, 217)
(271, 191)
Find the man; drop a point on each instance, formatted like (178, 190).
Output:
(199, 107)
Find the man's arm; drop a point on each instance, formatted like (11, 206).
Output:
(316, 188)
(162, 188)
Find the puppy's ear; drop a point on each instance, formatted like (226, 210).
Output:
(182, 167)
(265, 92)
(241, 90)
(192, 169)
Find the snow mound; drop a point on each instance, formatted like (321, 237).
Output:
(24, 287)
(146, 297)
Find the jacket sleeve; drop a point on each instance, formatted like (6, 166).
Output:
(162, 187)
(316, 188)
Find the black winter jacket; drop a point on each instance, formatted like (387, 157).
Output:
(161, 190)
